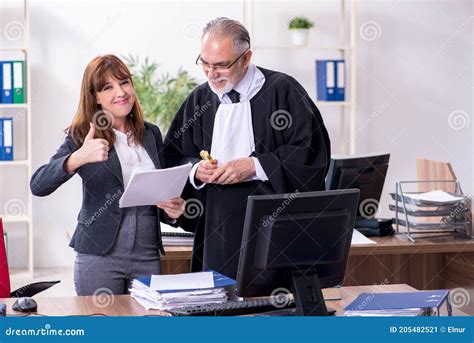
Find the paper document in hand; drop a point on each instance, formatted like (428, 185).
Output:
(152, 186)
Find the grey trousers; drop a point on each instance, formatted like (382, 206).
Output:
(135, 253)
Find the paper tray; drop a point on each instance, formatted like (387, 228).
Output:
(433, 226)
(424, 203)
(440, 212)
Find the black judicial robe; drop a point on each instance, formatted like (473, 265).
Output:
(291, 143)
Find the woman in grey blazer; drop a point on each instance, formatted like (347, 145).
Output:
(106, 142)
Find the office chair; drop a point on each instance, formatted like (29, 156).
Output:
(25, 291)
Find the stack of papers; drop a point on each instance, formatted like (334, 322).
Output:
(176, 236)
(438, 196)
(433, 198)
(166, 292)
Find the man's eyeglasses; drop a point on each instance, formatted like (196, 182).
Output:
(219, 67)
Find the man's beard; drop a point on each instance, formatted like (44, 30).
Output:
(229, 86)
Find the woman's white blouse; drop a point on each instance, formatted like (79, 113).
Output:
(132, 158)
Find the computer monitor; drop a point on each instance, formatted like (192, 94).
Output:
(297, 241)
(365, 172)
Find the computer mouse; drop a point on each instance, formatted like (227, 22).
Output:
(25, 304)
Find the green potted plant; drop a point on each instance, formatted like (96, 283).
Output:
(160, 96)
(299, 27)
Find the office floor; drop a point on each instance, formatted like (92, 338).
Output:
(64, 288)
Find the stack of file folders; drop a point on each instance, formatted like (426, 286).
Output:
(421, 303)
(176, 236)
(166, 292)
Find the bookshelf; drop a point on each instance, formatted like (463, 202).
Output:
(345, 49)
(26, 216)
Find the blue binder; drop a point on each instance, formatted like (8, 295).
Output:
(1, 81)
(400, 301)
(6, 139)
(7, 83)
(220, 280)
(340, 80)
(326, 80)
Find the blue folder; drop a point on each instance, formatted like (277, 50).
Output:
(399, 301)
(326, 80)
(7, 83)
(340, 80)
(6, 139)
(220, 280)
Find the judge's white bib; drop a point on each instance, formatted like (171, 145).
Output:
(232, 136)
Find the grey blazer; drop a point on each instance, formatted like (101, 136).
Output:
(102, 183)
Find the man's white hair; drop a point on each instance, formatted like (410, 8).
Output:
(225, 27)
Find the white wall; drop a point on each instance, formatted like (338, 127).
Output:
(410, 78)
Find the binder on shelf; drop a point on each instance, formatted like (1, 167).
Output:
(340, 80)
(7, 84)
(6, 139)
(18, 82)
(326, 80)
(1, 82)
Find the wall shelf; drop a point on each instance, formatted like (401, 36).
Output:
(27, 216)
(346, 48)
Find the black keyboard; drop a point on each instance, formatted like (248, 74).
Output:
(230, 308)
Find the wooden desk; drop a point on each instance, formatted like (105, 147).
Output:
(430, 263)
(124, 305)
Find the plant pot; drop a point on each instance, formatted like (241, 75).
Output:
(299, 36)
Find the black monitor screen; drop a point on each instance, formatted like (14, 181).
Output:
(365, 172)
(295, 233)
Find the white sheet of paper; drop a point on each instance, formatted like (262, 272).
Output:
(152, 186)
(358, 238)
(182, 281)
(438, 196)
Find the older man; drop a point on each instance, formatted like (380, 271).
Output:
(260, 126)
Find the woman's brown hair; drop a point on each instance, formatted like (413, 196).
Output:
(95, 77)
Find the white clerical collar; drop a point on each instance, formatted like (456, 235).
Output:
(244, 85)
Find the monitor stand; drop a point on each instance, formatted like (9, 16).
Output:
(308, 296)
